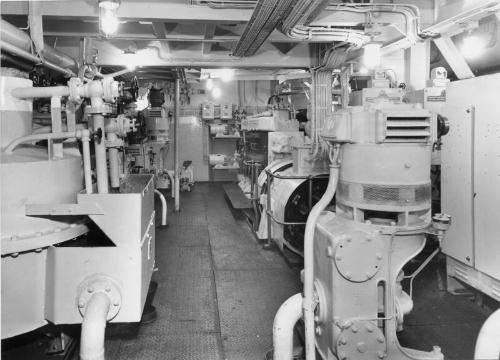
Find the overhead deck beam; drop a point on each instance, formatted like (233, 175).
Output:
(131, 10)
(454, 58)
(206, 46)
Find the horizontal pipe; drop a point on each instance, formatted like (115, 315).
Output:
(39, 137)
(14, 50)
(40, 92)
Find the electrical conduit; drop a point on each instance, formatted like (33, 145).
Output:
(309, 301)
(284, 321)
(94, 326)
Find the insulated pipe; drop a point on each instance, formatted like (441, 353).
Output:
(114, 169)
(163, 207)
(309, 303)
(14, 50)
(284, 321)
(14, 36)
(18, 38)
(38, 137)
(93, 327)
(86, 161)
(100, 154)
(488, 340)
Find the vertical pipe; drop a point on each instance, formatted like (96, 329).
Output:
(100, 154)
(284, 321)
(312, 219)
(86, 162)
(268, 206)
(176, 144)
(55, 108)
(163, 207)
(114, 171)
(94, 327)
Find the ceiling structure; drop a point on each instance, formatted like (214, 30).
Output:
(263, 35)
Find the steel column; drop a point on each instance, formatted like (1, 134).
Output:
(176, 144)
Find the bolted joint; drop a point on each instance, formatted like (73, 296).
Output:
(99, 284)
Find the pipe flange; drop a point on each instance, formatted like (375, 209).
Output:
(74, 86)
(111, 89)
(361, 340)
(103, 284)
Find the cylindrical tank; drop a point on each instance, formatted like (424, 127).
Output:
(30, 177)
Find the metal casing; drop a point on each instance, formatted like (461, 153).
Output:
(470, 178)
(128, 220)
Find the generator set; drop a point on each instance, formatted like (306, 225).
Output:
(353, 301)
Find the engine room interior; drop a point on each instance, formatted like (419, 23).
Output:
(250, 179)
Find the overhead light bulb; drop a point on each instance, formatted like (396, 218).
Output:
(473, 46)
(372, 55)
(226, 74)
(209, 84)
(108, 21)
(216, 93)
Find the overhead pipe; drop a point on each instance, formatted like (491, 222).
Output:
(163, 207)
(4, 46)
(94, 327)
(287, 316)
(309, 303)
(488, 340)
(19, 43)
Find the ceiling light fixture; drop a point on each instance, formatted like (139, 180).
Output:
(226, 74)
(108, 21)
(209, 84)
(216, 93)
(473, 46)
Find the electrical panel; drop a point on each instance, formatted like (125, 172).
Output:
(226, 111)
(208, 111)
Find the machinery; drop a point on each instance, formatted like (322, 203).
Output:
(147, 154)
(57, 232)
(353, 303)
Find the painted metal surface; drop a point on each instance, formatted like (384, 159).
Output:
(128, 221)
(471, 168)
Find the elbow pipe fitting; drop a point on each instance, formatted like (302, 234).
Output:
(488, 344)
(98, 300)
(284, 321)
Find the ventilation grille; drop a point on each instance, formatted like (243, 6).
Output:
(407, 129)
(396, 195)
